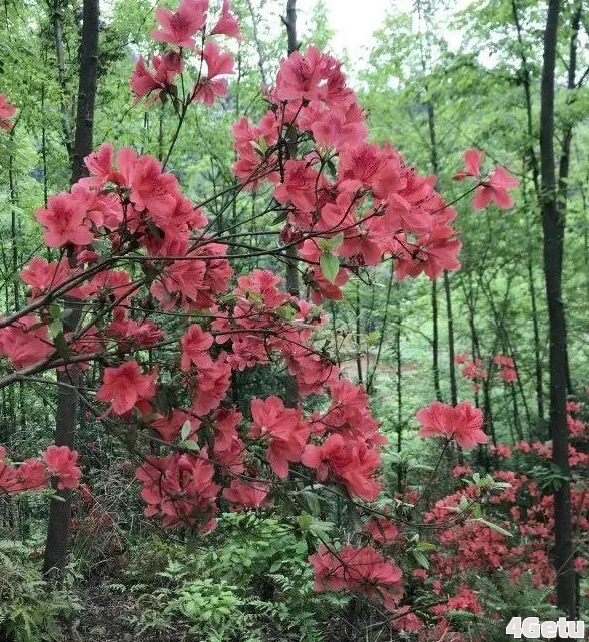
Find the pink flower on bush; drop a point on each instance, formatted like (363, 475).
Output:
(492, 188)
(462, 423)
(6, 113)
(125, 386)
(62, 462)
(179, 27)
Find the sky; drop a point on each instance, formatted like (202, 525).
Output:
(353, 21)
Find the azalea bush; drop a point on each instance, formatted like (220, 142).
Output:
(143, 296)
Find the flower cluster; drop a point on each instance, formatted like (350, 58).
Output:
(57, 462)
(506, 368)
(130, 243)
(7, 111)
(178, 30)
(462, 423)
(348, 203)
(492, 188)
(473, 369)
(357, 569)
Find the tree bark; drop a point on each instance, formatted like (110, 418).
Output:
(431, 121)
(58, 529)
(399, 376)
(453, 387)
(436, 341)
(536, 330)
(290, 22)
(552, 225)
(59, 54)
(565, 154)
(433, 154)
(292, 271)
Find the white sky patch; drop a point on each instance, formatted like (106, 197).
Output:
(353, 21)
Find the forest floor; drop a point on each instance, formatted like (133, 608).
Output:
(105, 618)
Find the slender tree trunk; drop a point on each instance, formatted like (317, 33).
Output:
(553, 251)
(433, 154)
(358, 336)
(536, 330)
(565, 154)
(436, 341)
(292, 271)
(383, 330)
(474, 337)
(58, 529)
(567, 136)
(13, 223)
(59, 54)
(399, 391)
(448, 292)
(255, 20)
(532, 162)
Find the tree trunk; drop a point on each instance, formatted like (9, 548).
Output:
(292, 271)
(358, 336)
(58, 528)
(436, 341)
(552, 225)
(453, 388)
(290, 22)
(565, 154)
(537, 359)
(434, 163)
(433, 154)
(399, 391)
(59, 54)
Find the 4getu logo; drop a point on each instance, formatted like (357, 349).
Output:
(531, 627)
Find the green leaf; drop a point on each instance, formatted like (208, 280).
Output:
(336, 241)
(55, 311)
(312, 502)
(56, 328)
(61, 345)
(421, 559)
(495, 527)
(186, 428)
(190, 445)
(280, 217)
(329, 266)
(426, 546)
(262, 144)
(305, 521)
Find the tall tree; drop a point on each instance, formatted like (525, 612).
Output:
(552, 224)
(290, 22)
(58, 528)
(292, 270)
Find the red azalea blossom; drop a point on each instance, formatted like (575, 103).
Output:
(62, 462)
(218, 63)
(244, 495)
(285, 430)
(357, 569)
(492, 188)
(227, 24)
(462, 423)
(7, 111)
(125, 386)
(179, 27)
